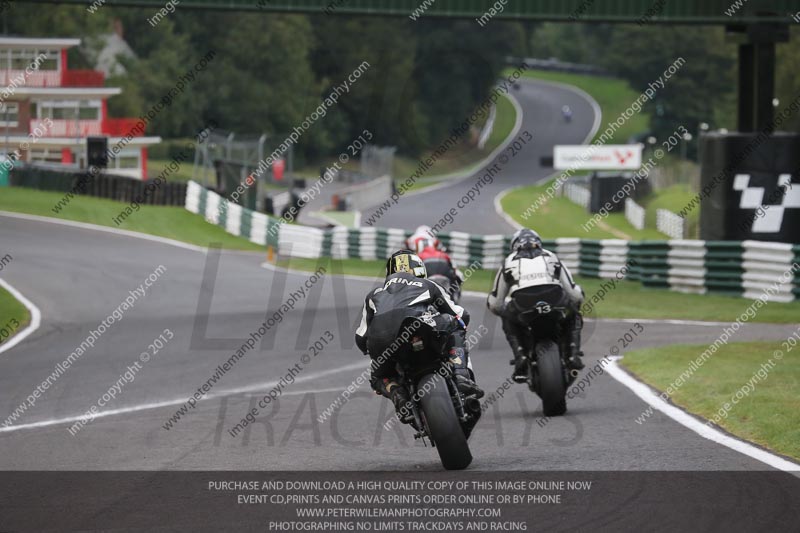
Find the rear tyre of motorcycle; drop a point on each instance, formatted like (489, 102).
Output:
(552, 388)
(443, 424)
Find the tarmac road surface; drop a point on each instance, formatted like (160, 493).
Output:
(78, 277)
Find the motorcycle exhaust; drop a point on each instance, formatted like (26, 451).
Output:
(473, 405)
(573, 373)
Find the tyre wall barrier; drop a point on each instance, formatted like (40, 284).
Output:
(735, 268)
(118, 188)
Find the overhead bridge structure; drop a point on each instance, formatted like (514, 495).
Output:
(656, 11)
(756, 25)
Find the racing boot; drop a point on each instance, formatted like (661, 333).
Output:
(402, 402)
(459, 357)
(465, 381)
(520, 362)
(574, 361)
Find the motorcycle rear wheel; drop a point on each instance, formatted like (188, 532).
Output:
(552, 388)
(442, 422)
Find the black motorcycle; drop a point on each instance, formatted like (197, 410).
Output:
(543, 312)
(439, 411)
(441, 273)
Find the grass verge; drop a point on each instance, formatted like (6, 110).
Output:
(673, 199)
(156, 166)
(613, 95)
(628, 300)
(559, 217)
(768, 415)
(171, 222)
(13, 316)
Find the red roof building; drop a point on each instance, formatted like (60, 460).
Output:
(47, 110)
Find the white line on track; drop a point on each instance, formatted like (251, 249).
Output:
(688, 421)
(105, 229)
(181, 401)
(662, 321)
(304, 391)
(640, 389)
(36, 317)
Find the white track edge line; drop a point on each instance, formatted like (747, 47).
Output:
(683, 418)
(36, 317)
(169, 403)
(106, 229)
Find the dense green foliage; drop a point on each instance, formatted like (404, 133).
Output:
(272, 70)
(703, 90)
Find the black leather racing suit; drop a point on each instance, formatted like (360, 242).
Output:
(404, 295)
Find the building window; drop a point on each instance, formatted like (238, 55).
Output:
(67, 109)
(51, 62)
(45, 155)
(126, 159)
(9, 114)
(88, 113)
(128, 162)
(21, 59)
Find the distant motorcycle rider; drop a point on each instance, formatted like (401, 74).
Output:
(422, 233)
(437, 260)
(407, 293)
(526, 269)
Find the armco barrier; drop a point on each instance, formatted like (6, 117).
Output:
(735, 268)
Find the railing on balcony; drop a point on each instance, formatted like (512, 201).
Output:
(82, 78)
(20, 78)
(52, 78)
(121, 127)
(113, 127)
(67, 128)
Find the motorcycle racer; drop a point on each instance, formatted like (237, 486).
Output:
(437, 260)
(407, 293)
(524, 271)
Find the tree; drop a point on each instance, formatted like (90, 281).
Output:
(702, 84)
(788, 78)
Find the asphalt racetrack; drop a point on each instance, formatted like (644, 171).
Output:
(129, 370)
(540, 103)
(211, 303)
